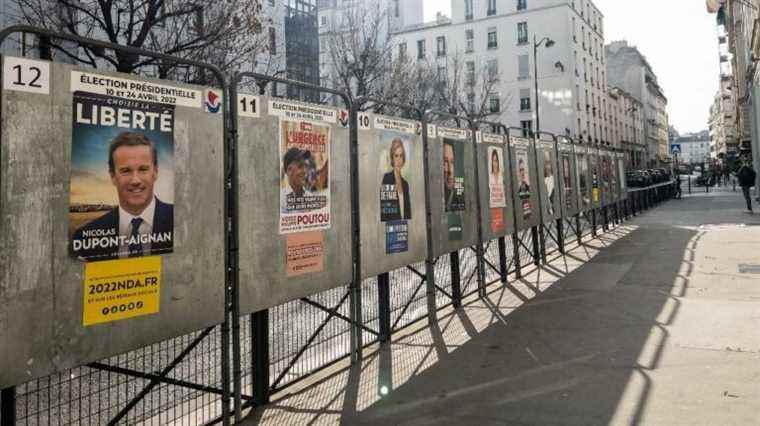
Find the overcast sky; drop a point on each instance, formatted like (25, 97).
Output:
(679, 39)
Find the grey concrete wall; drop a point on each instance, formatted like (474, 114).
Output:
(569, 200)
(375, 260)
(524, 145)
(263, 280)
(508, 211)
(41, 285)
(440, 230)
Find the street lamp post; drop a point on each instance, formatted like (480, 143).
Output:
(547, 42)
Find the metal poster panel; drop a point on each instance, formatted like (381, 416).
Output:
(569, 180)
(293, 201)
(497, 215)
(606, 177)
(452, 189)
(548, 183)
(525, 183)
(112, 194)
(391, 193)
(583, 175)
(596, 183)
(621, 175)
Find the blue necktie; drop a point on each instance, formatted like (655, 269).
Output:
(135, 250)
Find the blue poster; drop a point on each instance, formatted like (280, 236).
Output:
(396, 236)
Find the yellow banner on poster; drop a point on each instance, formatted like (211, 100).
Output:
(595, 194)
(119, 289)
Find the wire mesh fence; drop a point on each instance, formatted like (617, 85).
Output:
(179, 381)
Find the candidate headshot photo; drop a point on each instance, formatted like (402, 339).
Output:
(453, 199)
(395, 199)
(523, 178)
(141, 224)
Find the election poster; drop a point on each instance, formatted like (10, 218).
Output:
(304, 253)
(523, 182)
(121, 201)
(304, 176)
(394, 174)
(496, 193)
(497, 220)
(583, 183)
(595, 190)
(567, 181)
(453, 175)
(549, 184)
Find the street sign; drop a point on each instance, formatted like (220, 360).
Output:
(675, 148)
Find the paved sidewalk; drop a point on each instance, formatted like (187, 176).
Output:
(657, 322)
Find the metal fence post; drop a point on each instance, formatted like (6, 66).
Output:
(260, 356)
(384, 306)
(516, 254)
(503, 259)
(561, 235)
(536, 249)
(578, 232)
(8, 407)
(456, 285)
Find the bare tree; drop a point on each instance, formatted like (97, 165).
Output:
(230, 33)
(360, 48)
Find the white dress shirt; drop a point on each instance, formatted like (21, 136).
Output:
(146, 227)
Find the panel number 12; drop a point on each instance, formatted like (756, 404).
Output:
(26, 75)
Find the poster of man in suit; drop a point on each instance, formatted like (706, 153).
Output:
(453, 175)
(122, 178)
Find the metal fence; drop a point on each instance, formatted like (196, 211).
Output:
(186, 380)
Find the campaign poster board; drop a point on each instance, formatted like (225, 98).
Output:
(391, 193)
(525, 183)
(497, 213)
(548, 181)
(620, 164)
(453, 208)
(112, 199)
(594, 167)
(606, 177)
(294, 200)
(584, 177)
(569, 179)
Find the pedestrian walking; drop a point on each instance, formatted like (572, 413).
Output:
(746, 175)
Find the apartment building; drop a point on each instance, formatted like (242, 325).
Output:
(629, 70)
(625, 118)
(340, 17)
(499, 35)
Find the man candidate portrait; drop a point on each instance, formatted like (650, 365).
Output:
(453, 201)
(143, 223)
(294, 166)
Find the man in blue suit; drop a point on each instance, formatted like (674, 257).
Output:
(141, 224)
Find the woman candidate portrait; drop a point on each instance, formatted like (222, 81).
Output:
(496, 174)
(395, 204)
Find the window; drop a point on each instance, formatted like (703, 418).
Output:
(440, 43)
(522, 32)
(523, 67)
(493, 103)
(323, 21)
(470, 73)
(527, 126)
(493, 69)
(575, 37)
(468, 10)
(522, 4)
(492, 42)
(469, 37)
(471, 102)
(272, 41)
(524, 99)
(420, 49)
(402, 51)
(491, 8)
(396, 11)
